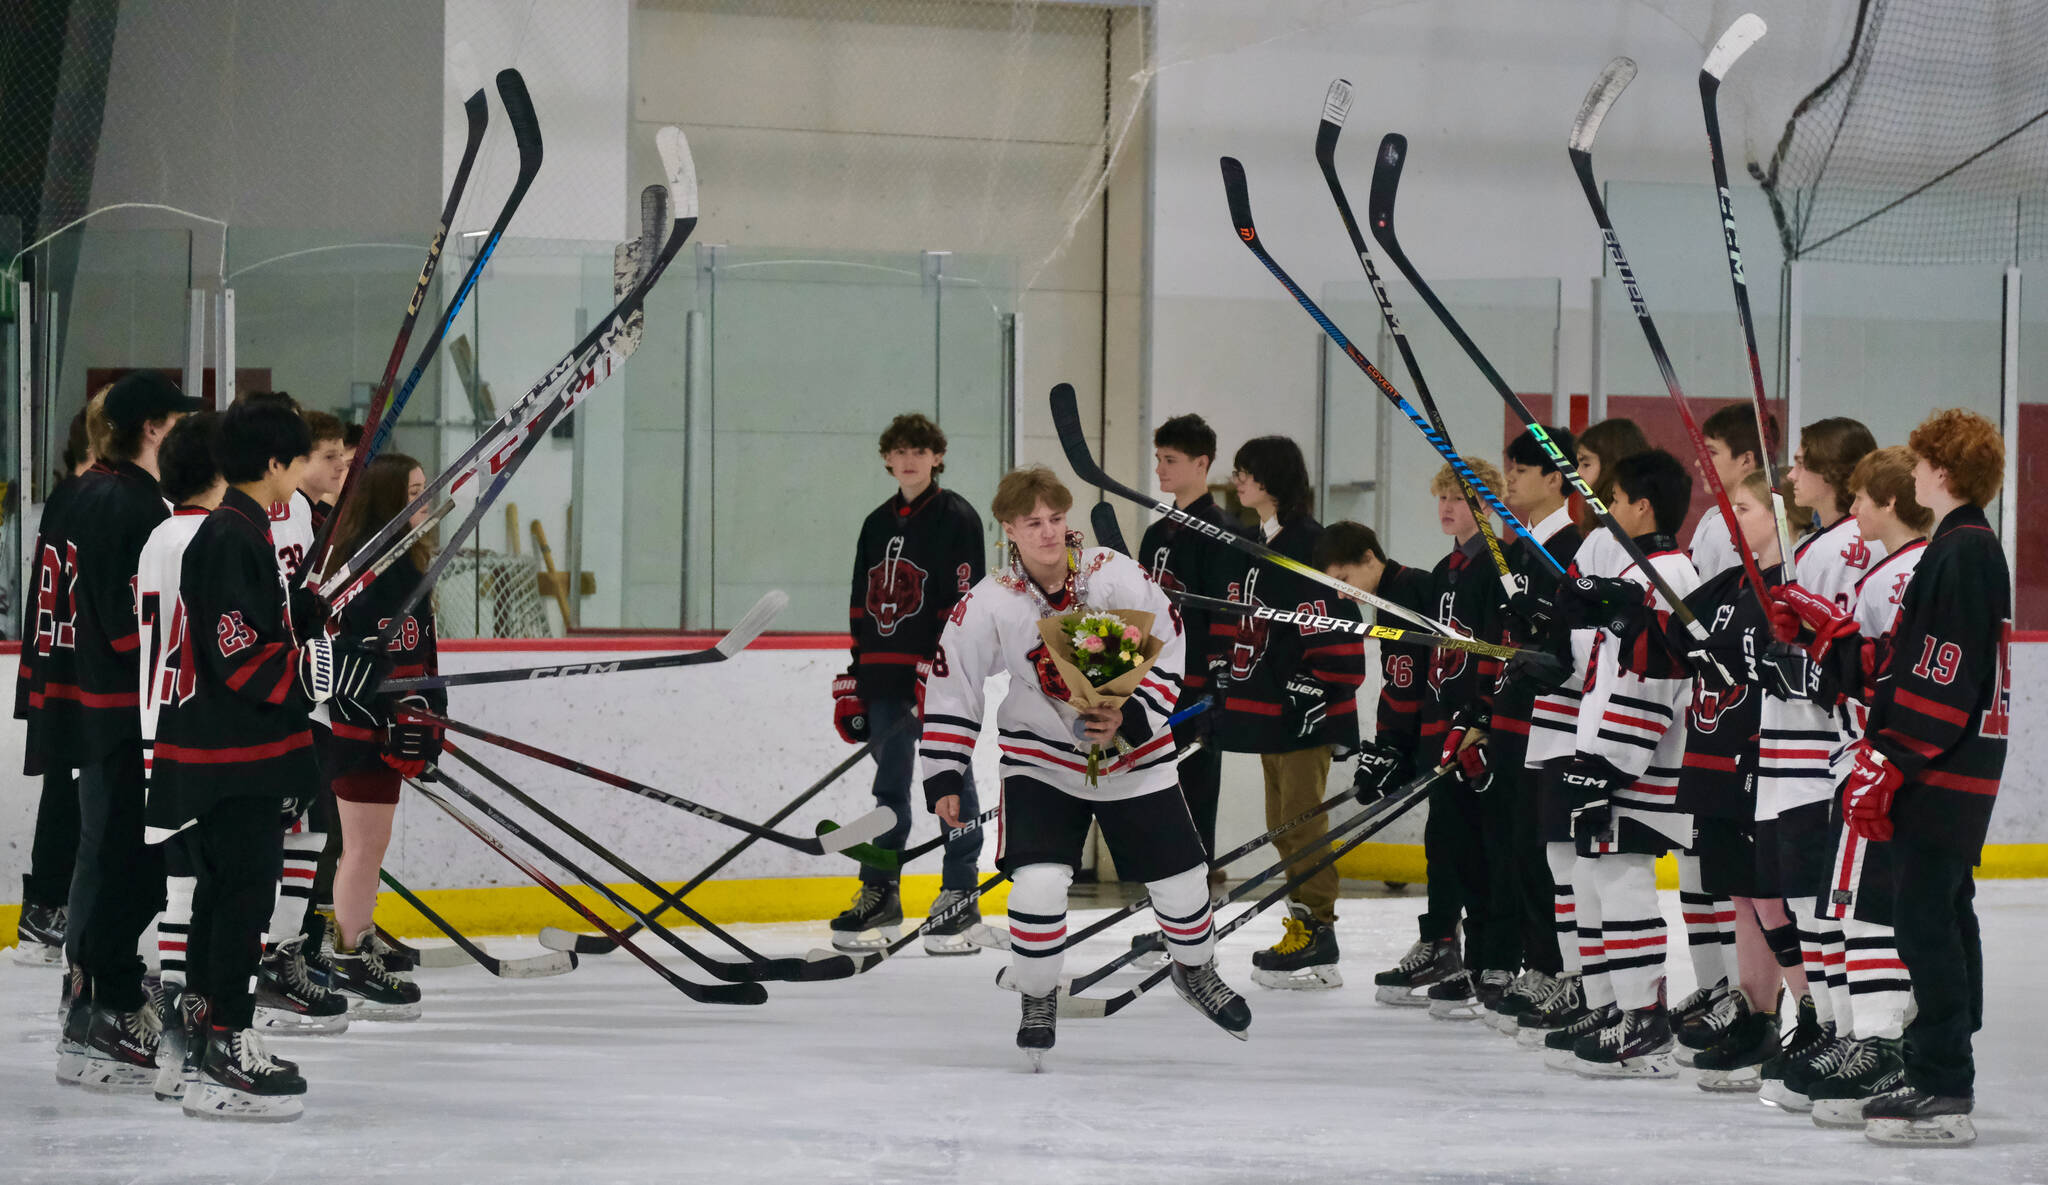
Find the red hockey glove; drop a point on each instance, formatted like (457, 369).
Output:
(849, 710)
(1867, 795)
(1793, 607)
(1469, 762)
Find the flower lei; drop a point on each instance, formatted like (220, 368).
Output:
(1016, 579)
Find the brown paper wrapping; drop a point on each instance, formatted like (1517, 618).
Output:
(1082, 694)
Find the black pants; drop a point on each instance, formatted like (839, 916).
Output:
(326, 819)
(1461, 875)
(1935, 922)
(1201, 783)
(1535, 910)
(237, 850)
(117, 885)
(54, 857)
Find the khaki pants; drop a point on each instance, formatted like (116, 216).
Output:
(1295, 782)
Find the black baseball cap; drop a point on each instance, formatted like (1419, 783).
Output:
(144, 395)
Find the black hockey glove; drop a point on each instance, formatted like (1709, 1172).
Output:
(1590, 784)
(1719, 665)
(1789, 674)
(1307, 701)
(341, 669)
(1602, 603)
(1536, 612)
(412, 747)
(296, 805)
(1538, 670)
(1379, 769)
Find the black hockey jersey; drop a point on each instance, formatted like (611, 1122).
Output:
(913, 561)
(92, 604)
(53, 720)
(1404, 666)
(243, 729)
(1181, 560)
(1514, 703)
(1941, 706)
(1464, 593)
(358, 738)
(1258, 714)
(1718, 779)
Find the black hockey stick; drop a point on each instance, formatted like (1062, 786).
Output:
(861, 830)
(1336, 107)
(382, 418)
(756, 967)
(1107, 532)
(868, 961)
(1066, 421)
(716, 993)
(532, 967)
(1384, 633)
(1603, 95)
(735, 640)
(596, 944)
(1368, 824)
(1386, 178)
(894, 861)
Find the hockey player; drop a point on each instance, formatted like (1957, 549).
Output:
(918, 553)
(327, 471)
(1047, 799)
(1290, 698)
(1182, 560)
(237, 747)
(86, 604)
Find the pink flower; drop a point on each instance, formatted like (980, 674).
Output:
(1092, 644)
(1131, 634)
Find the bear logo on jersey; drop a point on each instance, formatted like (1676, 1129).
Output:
(1708, 706)
(1446, 664)
(1049, 680)
(895, 589)
(1252, 632)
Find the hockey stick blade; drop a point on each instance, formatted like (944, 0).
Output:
(1748, 29)
(532, 967)
(1337, 102)
(1107, 531)
(1324, 622)
(1613, 80)
(865, 829)
(757, 620)
(893, 861)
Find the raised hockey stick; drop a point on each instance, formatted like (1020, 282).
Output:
(865, 828)
(1107, 532)
(531, 967)
(1367, 824)
(597, 944)
(755, 968)
(1747, 30)
(735, 640)
(1604, 92)
(1383, 633)
(1066, 421)
(714, 993)
(382, 418)
(1336, 107)
(1386, 179)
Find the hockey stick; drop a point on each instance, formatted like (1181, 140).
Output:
(861, 830)
(1107, 532)
(755, 968)
(1066, 420)
(479, 113)
(1384, 633)
(717, 993)
(735, 640)
(1386, 178)
(893, 861)
(1368, 824)
(870, 960)
(1747, 30)
(587, 364)
(593, 944)
(1336, 106)
(382, 418)
(440, 957)
(531, 967)
(1603, 95)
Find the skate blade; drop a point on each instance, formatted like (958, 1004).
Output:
(1401, 997)
(854, 943)
(1743, 1081)
(1945, 1131)
(37, 954)
(1684, 1055)
(987, 937)
(1454, 1010)
(1838, 1114)
(361, 1009)
(948, 945)
(1504, 1023)
(210, 1100)
(1564, 1061)
(1774, 1093)
(1531, 1038)
(70, 1065)
(1656, 1066)
(1304, 979)
(108, 1077)
(283, 1022)
(1037, 1058)
(1153, 960)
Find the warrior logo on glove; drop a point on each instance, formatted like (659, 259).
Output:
(895, 589)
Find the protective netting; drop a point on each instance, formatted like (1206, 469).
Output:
(1928, 143)
(484, 594)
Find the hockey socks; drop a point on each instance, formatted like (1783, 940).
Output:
(1709, 926)
(295, 882)
(1181, 904)
(1631, 927)
(1880, 993)
(1038, 926)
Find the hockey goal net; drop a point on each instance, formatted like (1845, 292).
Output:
(487, 594)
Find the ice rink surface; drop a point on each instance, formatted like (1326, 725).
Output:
(908, 1074)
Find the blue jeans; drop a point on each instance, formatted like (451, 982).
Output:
(895, 762)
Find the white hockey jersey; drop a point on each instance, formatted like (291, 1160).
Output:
(291, 526)
(1713, 548)
(165, 675)
(1633, 721)
(995, 628)
(1799, 738)
(1878, 597)
(1554, 720)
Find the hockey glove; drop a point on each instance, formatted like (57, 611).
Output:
(410, 746)
(1717, 664)
(1603, 603)
(1867, 795)
(1379, 768)
(1307, 701)
(1793, 608)
(1538, 670)
(1590, 783)
(1789, 674)
(341, 669)
(1536, 612)
(849, 710)
(1469, 761)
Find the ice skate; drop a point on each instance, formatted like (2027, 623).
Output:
(1734, 1065)
(400, 963)
(239, 1080)
(39, 936)
(1701, 1018)
(1565, 1004)
(289, 1001)
(1873, 1068)
(1559, 1044)
(1637, 1045)
(1035, 1033)
(875, 908)
(74, 1014)
(1455, 997)
(1406, 984)
(1912, 1118)
(1527, 991)
(1305, 958)
(121, 1050)
(185, 1017)
(1204, 988)
(372, 992)
(1818, 1061)
(952, 936)
(1149, 952)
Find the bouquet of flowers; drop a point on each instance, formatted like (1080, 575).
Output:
(1101, 656)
